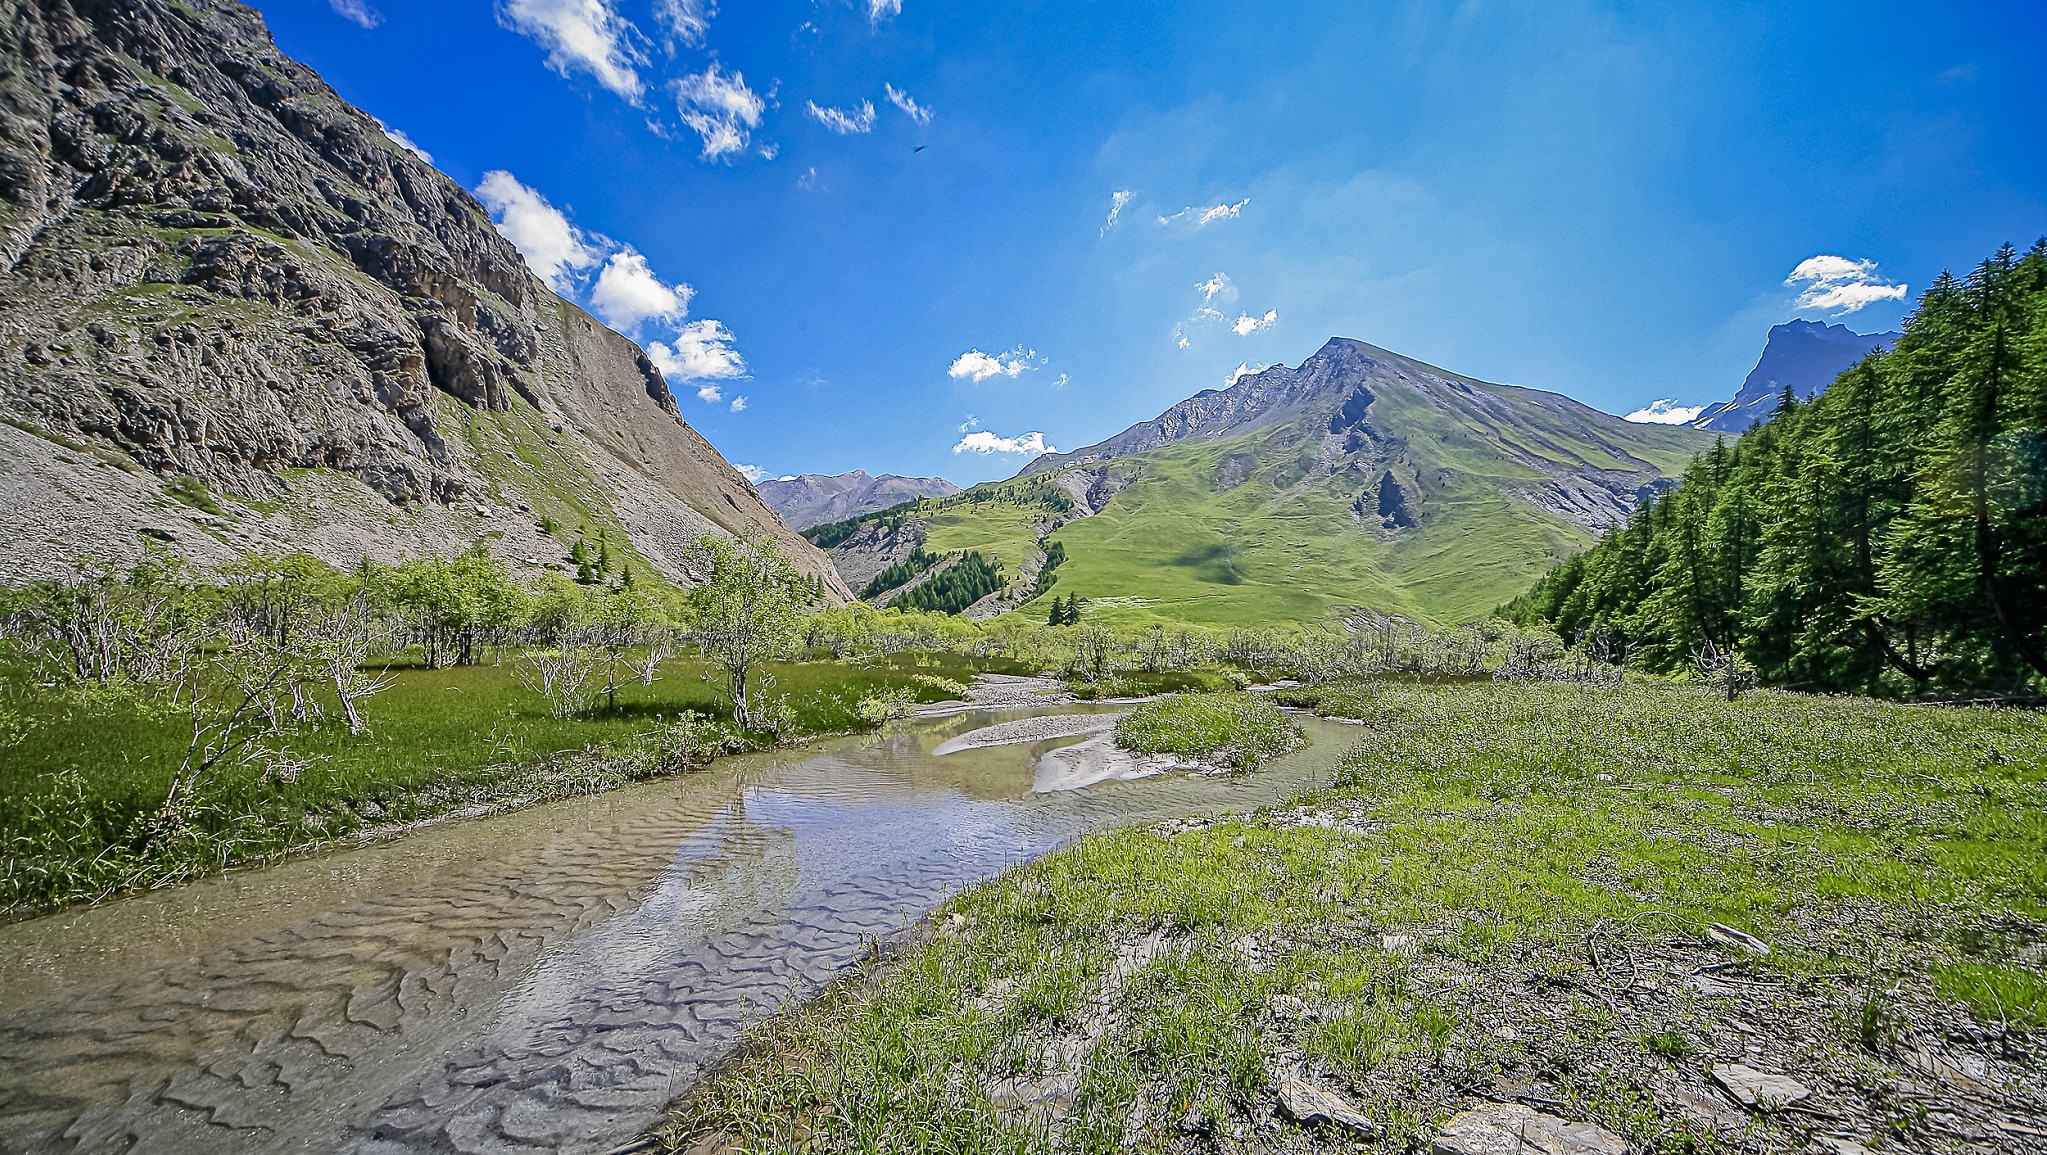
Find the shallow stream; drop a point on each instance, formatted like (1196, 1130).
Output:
(544, 980)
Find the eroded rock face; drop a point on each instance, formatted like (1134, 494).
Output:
(214, 266)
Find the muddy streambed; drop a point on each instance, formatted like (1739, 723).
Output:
(545, 980)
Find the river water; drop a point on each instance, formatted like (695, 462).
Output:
(545, 980)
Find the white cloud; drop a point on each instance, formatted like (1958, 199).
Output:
(1117, 200)
(1245, 369)
(687, 20)
(786, 477)
(1840, 285)
(1061, 381)
(554, 249)
(985, 443)
(911, 109)
(403, 141)
(702, 352)
(1198, 217)
(1216, 286)
(581, 35)
(880, 10)
(1247, 324)
(808, 181)
(1665, 412)
(628, 293)
(974, 365)
(755, 473)
(970, 424)
(356, 12)
(739, 404)
(1183, 333)
(842, 121)
(719, 108)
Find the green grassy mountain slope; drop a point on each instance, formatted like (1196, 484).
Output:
(1360, 478)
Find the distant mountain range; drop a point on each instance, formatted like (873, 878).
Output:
(1803, 355)
(821, 498)
(1362, 477)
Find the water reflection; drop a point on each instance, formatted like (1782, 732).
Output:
(545, 980)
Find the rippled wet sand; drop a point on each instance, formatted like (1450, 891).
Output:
(546, 980)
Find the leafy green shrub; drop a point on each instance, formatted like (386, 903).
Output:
(1236, 731)
(886, 706)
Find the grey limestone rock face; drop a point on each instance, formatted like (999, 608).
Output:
(212, 265)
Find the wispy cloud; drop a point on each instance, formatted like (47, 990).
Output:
(1247, 324)
(1839, 285)
(628, 294)
(687, 20)
(1217, 286)
(1117, 200)
(1183, 333)
(985, 443)
(582, 36)
(970, 424)
(554, 249)
(1201, 217)
(720, 108)
(917, 112)
(845, 122)
(755, 473)
(1245, 369)
(356, 12)
(974, 365)
(738, 405)
(1665, 412)
(880, 10)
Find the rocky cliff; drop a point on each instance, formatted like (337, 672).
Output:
(1803, 356)
(235, 315)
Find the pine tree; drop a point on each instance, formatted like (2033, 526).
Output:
(1888, 535)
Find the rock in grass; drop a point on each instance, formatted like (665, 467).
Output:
(1305, 1103)
(1759, 1090)
(1728, 936)
(1512, 1129)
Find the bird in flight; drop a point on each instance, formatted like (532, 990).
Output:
(920, 148)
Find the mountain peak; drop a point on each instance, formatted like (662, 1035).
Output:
(1804, 356)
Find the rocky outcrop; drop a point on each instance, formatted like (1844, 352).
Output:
(215, 267)
(1802, 356)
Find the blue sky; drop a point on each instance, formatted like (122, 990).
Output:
(1118, 203)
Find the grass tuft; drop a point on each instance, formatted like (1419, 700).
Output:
(1235, 731)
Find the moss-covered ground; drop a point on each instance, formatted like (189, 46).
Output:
(1533, 894)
